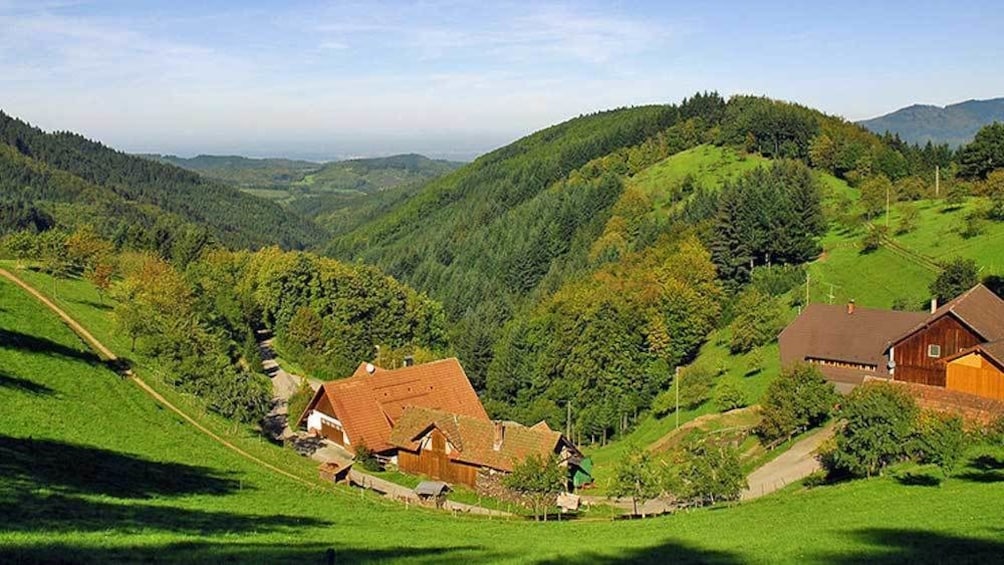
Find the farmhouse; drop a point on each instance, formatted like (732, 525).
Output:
(850, 344)
(361, 410)
(471, 451)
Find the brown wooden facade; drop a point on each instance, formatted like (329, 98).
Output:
(913, 355)
(975, 374)
(328, 430)
(434, 462)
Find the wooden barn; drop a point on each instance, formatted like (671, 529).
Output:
(850, 344)
(978, 370)
(362, 409)
(461, 449)
(975, 317)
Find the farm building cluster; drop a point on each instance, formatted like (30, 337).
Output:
(428, 420)
(957, 347)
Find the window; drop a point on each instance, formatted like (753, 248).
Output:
(934, 350)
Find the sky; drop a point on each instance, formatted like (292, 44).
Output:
(454, 78)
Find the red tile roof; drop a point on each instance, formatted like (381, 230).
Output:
(368, 404)
(474, 438)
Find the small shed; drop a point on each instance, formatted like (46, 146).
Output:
(978, 370)
(333, 472)
(432, 491)
(583, 472)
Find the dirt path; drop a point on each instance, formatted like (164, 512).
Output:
(795, 464)
(110, 356)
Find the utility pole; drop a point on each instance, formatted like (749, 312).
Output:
(888, 189)
(807, 277)
(676, 385)
(937, 180)
(568, 421)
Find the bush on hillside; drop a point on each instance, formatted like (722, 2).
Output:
(758, 319)
(879, 425)
(941, 440)
(798, 400)
(958, 276)
(728, 396)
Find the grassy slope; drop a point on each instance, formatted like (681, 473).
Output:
(110, 476)
(876, 279)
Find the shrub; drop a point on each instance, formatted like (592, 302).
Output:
(872, 240)
(941, 440)
(367, 459)
(798, 400)
(758, 319)
(298, 401)
(958, 276)
(729, 397)
(908, 219)
(879, 424)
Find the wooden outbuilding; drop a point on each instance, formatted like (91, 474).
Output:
(974, 317)
(978, 370)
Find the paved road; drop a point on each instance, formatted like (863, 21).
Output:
(793, 465)
(283, 386)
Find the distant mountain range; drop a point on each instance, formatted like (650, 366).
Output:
(955, 124)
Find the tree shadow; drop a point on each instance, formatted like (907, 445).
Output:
(79, 469)
(34, 512)
(230, 552)
(669, 551)
(918, 546)
(984, 469)
(96, 305)
(10, 339)
(24, 385)
(918, 479)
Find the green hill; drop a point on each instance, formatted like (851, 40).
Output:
(77, 181)
(955, 124)
(374, 174)
(243, 172)
(95, 471)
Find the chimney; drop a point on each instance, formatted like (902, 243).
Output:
(499, 436)
(934, 304)
(409, 361)
(370, 368)
(850, 307)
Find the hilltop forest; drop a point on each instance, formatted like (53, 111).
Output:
(571, 271)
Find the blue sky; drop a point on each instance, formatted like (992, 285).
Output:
(327, 79)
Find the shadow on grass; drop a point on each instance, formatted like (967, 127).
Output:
(24, 385)
(918, 546)
(33, 512)
(96, 305)
(10, 339)
(208, 552)
(984, 469)
(669, 551)
(918, 479)
(79, 469)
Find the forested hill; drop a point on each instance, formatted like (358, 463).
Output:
(75, 180)
(955, 124)
(245, 172)
(578, 263)
(377, 173)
